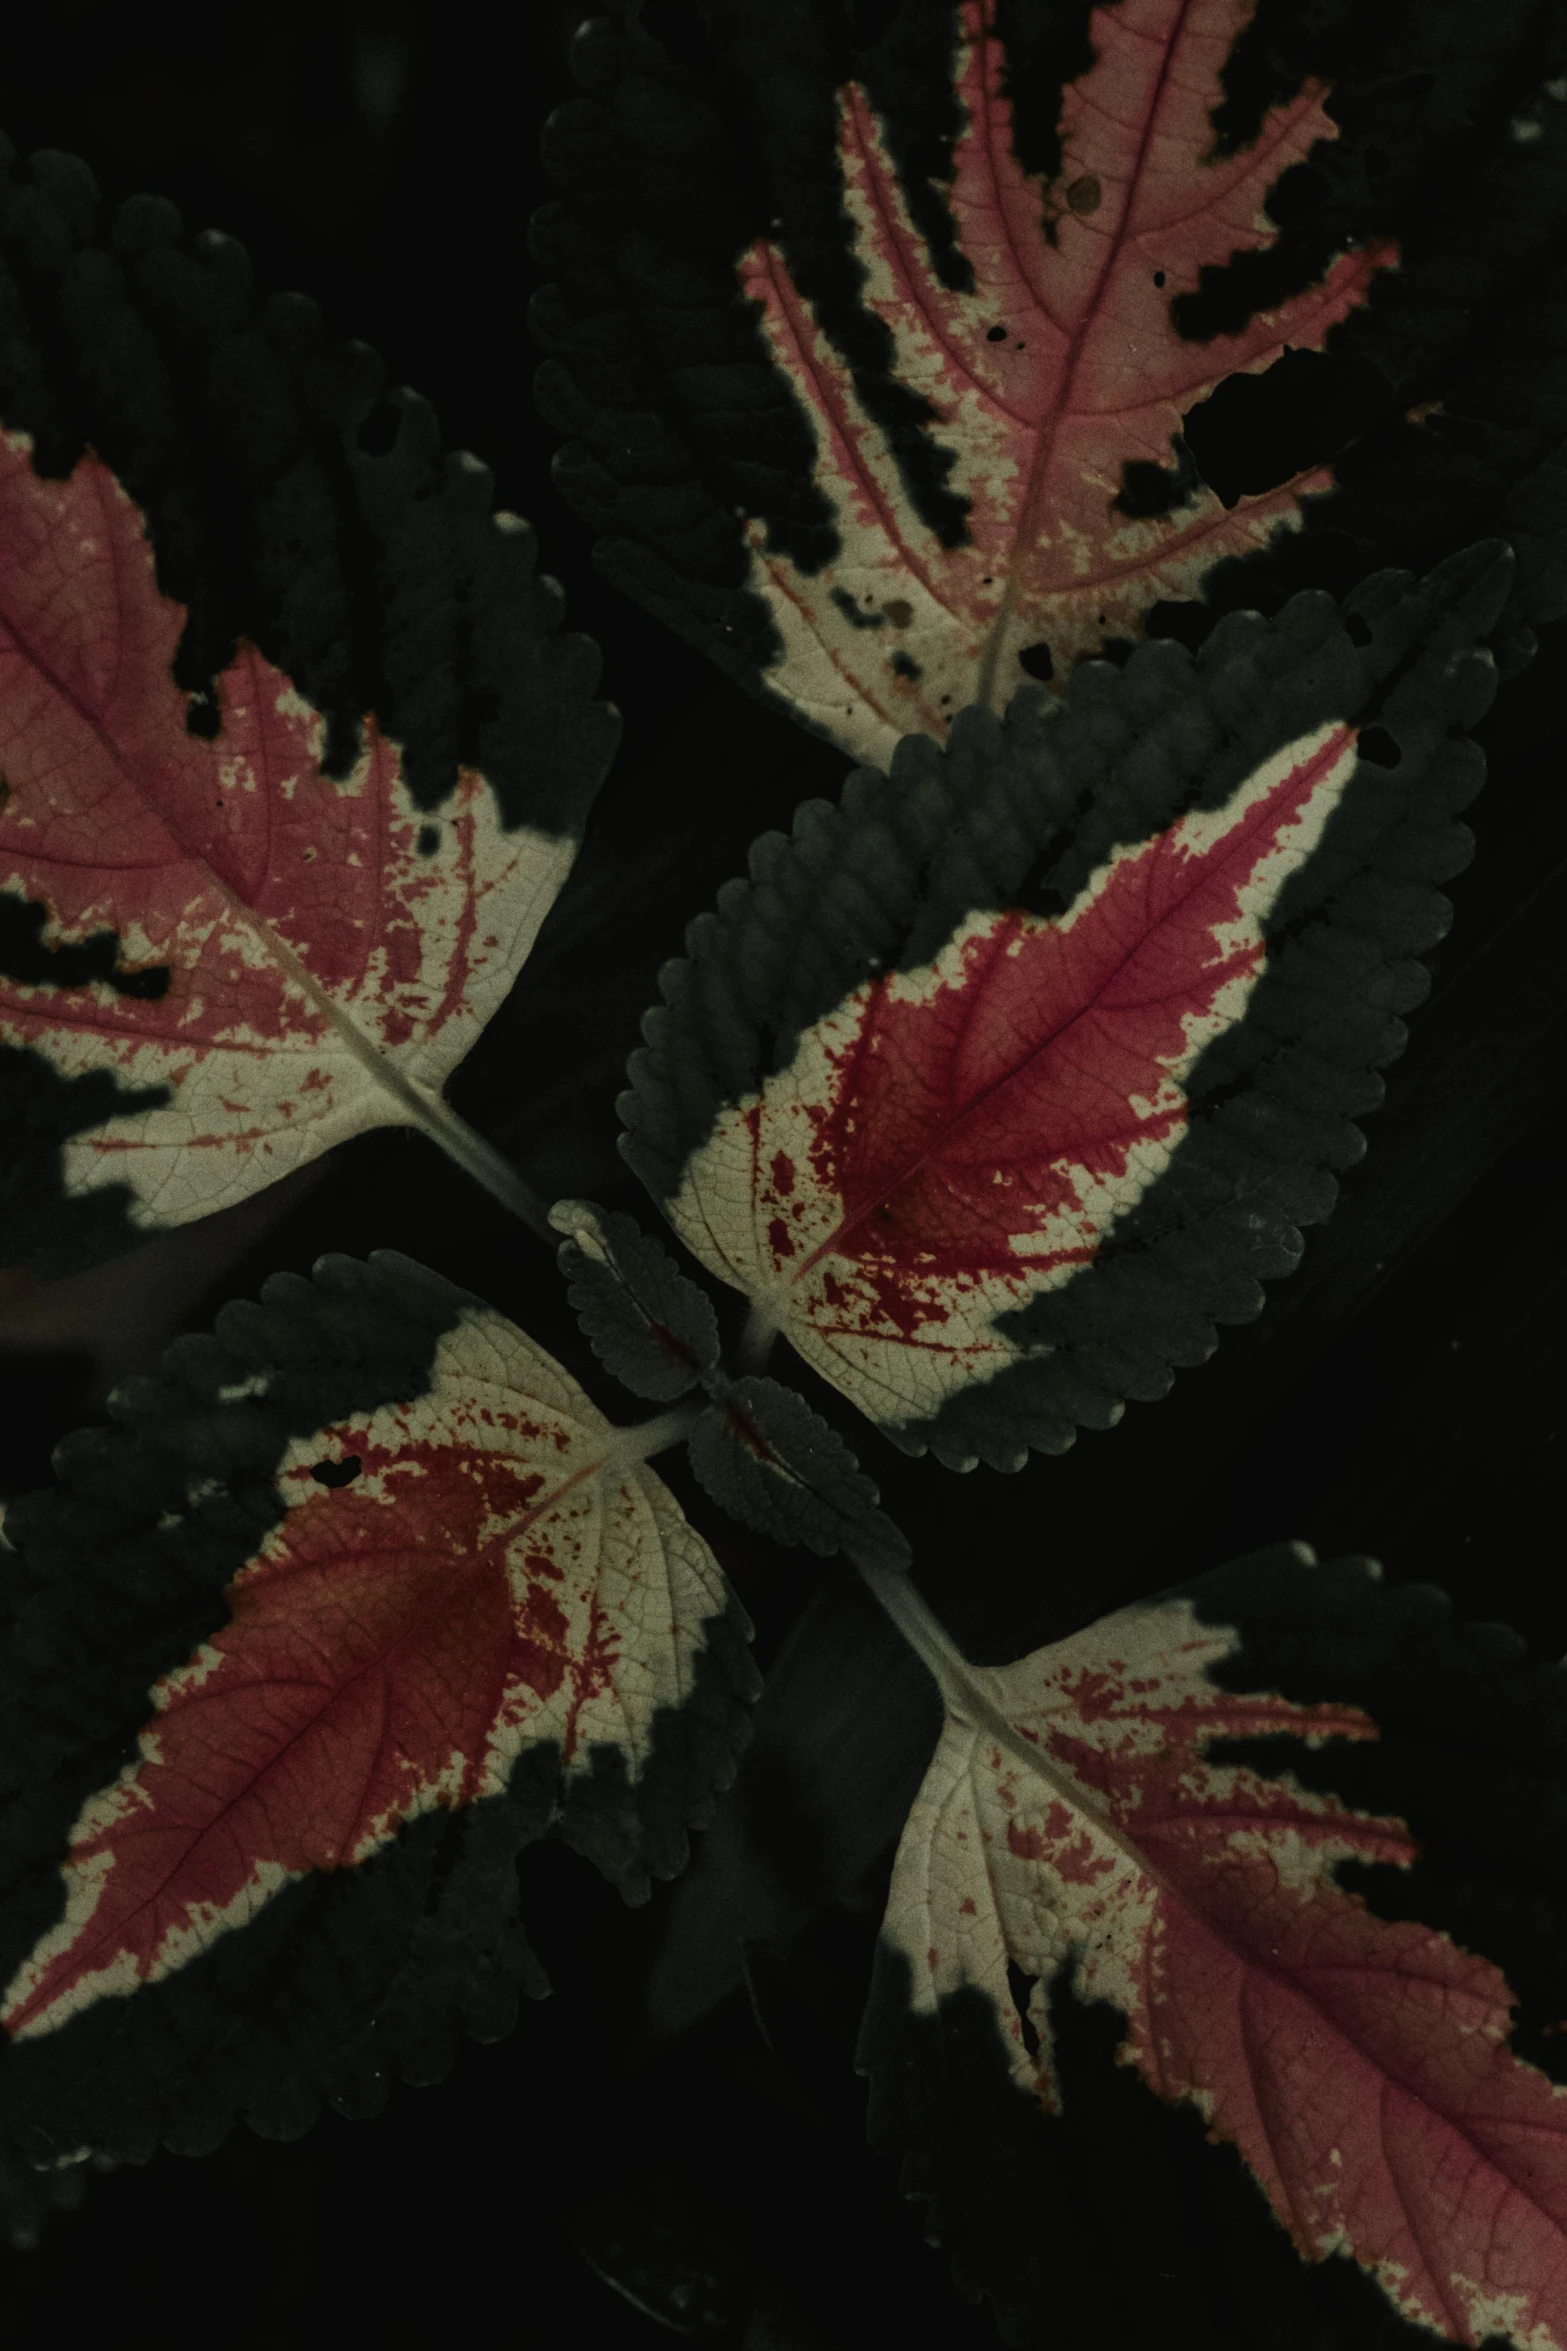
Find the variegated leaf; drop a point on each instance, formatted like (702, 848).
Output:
(997, 1087)
(900, 361)
(1035, 359)
(291, 761)
(379, 1595)
(1218, 1813)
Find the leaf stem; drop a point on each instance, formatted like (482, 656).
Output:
(756, 1340)
(632, 1445)
(965, 1699)
(426, 1111)
(900, 1596)
(481, 1160)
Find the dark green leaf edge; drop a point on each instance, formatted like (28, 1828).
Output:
(292, 499)
(1018, 812)
(347, 1979)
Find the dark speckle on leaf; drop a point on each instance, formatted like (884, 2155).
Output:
(905, 666)
(1085, 194)
(852, 613)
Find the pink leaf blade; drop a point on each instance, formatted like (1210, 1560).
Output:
(453, 1584)
(297, 958)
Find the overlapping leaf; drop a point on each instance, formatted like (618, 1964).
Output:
(756, 1446)
(996, 1088)
(889, 362)
(1252, 1819)
(293, 763)
(372, 1594)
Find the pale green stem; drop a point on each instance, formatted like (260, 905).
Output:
(965, 1698)
(630, 1446)
(926, 1636)
(756, 1340)
(481, 1160)
(426, 1111)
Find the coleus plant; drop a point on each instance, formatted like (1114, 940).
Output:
(994, 1090)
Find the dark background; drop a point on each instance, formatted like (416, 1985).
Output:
(700, 2138)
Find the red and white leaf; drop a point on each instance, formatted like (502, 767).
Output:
(1076, 1823)
(453, 1581)
(294, 959)
(1043, 380)
(952, 1141)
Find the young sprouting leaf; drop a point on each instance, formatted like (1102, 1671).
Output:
(998, 1086)
(898, 366)
(650, 1325)
(30, 2198)
(1295, 1832)
(364, 1595)
(763, 1453)
(292, 761)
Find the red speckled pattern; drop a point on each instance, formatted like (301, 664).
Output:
(950, 1142)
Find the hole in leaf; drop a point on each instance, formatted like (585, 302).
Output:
(996, 335)
(1256, 432)
(337, 1473)
(1147, 488)
(378, 429)
(1158, 277)
(202, 715)
(1035, 659)
(1377, 745)
(1357, 628)
(905, 666)
(25, 955)
(429, 839)
(1020, 1986)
